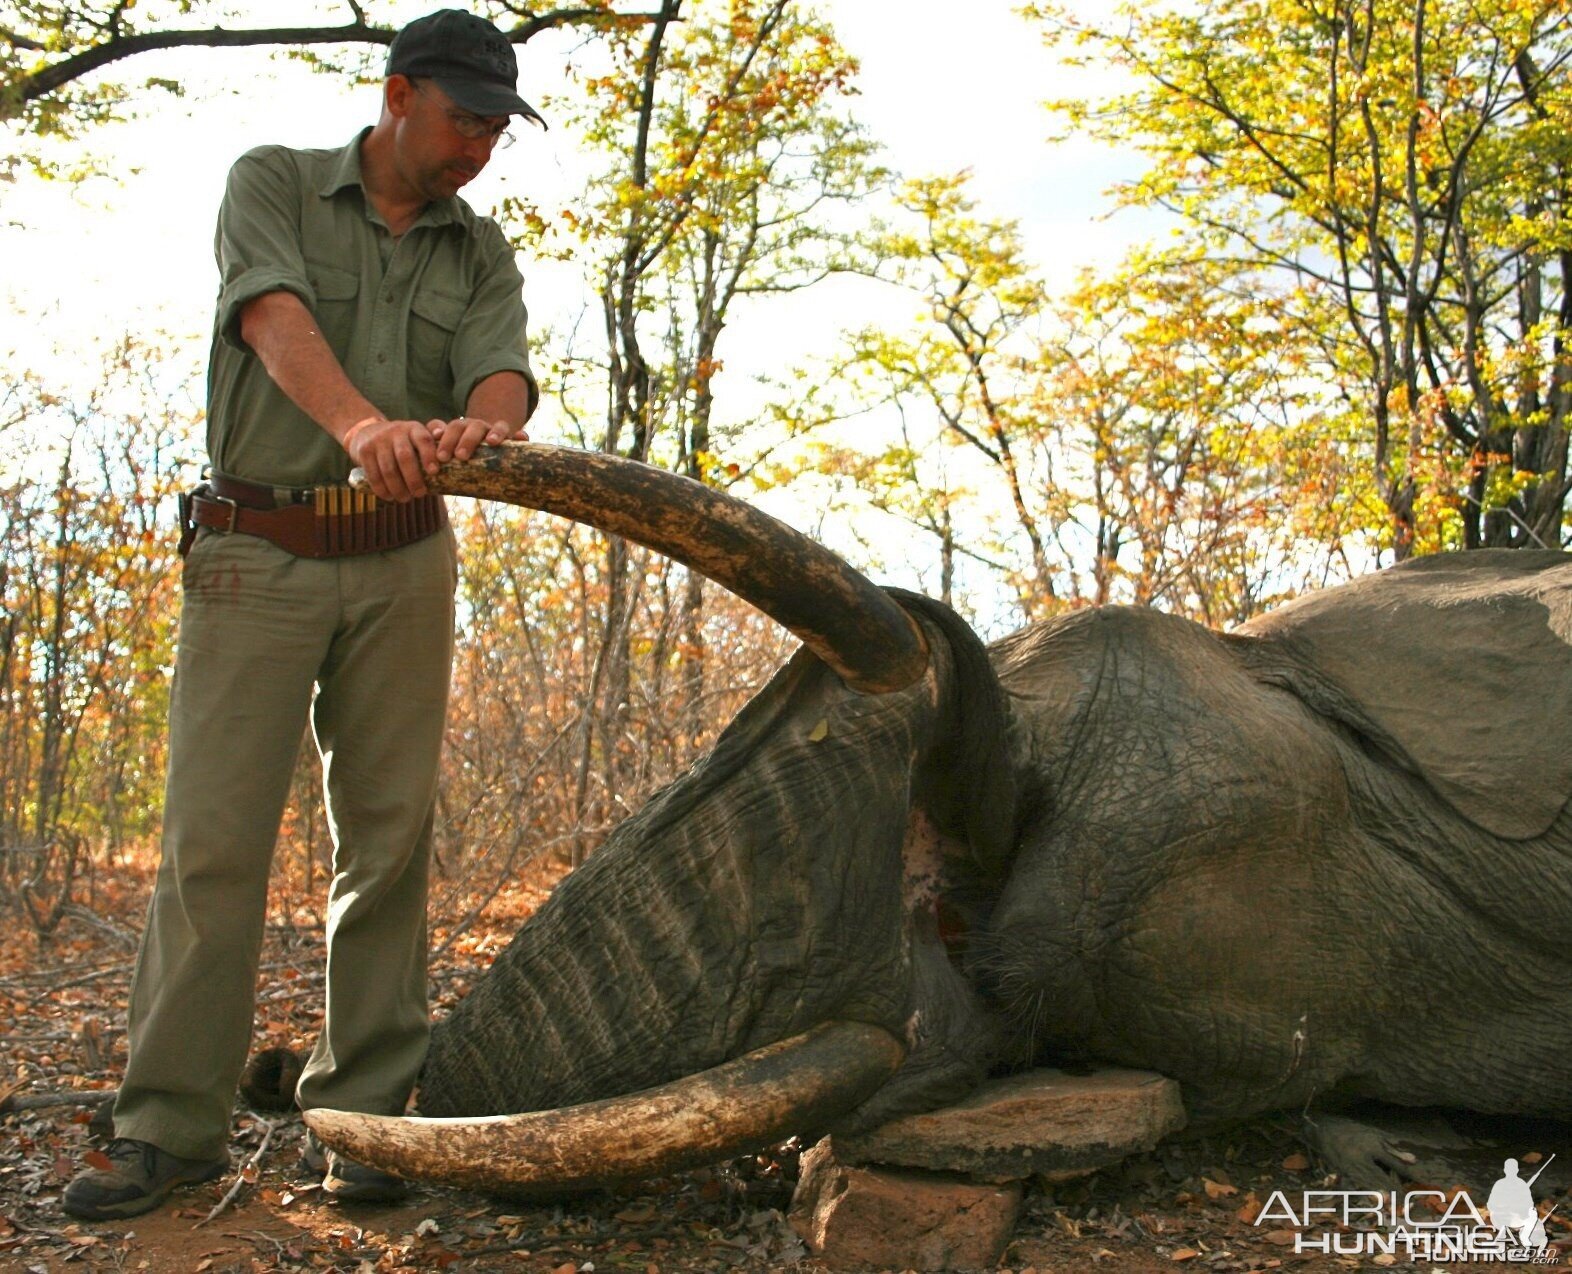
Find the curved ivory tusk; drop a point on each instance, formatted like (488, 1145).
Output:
(845, 619)
(793, 1086)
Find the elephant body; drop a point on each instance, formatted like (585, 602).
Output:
(1237, 876)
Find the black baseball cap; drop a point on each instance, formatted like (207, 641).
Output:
(471, 61)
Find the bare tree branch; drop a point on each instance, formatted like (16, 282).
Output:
(120, 46)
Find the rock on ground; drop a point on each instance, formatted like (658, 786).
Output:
(1042, 1122)
(884, 1219)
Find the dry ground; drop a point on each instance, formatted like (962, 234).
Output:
(61, 1013)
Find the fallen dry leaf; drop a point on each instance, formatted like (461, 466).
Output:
(1184, 1254)
(1281, 1238)
(1295, 1163)
(1217, 1190)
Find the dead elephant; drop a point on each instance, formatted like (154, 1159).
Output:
(1330, 852)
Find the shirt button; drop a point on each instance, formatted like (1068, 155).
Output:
(382, 358)
(388, 297)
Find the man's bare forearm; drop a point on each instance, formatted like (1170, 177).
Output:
(395, 455)
(283, 334)
(502, 397)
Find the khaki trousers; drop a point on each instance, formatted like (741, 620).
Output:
(258, 629)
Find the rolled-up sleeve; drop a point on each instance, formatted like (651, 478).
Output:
(491, 335)
(258, 240)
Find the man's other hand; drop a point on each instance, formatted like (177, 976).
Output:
(457, 439)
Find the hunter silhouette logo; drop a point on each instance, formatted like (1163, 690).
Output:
(1512, 1211)
(1389, 1223)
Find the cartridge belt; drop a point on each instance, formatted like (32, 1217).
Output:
(327, 521)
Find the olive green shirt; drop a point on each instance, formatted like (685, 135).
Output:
(416, 323)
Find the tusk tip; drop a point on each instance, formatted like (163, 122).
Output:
(341, 1130)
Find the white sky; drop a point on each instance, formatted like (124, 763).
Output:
(941, 93)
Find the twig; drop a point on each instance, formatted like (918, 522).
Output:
(44, 975)
(240, 1177)
(58, 1037)
(49, 992)
(66, 1097)
(312, 985)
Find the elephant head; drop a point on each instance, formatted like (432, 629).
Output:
(1329, 852)
(757, 951)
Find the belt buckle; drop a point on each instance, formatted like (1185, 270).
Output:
(234, 511)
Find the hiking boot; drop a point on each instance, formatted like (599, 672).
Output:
(139, 1178)
(343, 1178)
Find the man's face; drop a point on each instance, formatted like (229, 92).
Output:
(440, 146)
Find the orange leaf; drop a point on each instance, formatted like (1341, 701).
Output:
(97, 1159)
(1217, 1190)
(1295, 1163)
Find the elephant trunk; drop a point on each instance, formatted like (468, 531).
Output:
(754, 898)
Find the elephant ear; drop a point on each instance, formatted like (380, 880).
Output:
(1459, 664)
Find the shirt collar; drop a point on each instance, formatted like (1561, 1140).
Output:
(344, 170)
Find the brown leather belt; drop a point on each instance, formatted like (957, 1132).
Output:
(331, 521)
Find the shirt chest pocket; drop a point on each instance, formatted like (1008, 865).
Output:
(434, 317)
(338, 292)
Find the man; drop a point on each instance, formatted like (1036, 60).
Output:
(366, 317)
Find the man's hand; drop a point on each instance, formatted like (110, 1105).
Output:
(457, 439)
(395, 455)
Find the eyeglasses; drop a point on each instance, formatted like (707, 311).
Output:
(472, 127)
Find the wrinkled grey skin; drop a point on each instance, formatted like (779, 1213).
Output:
(1225, 886)
(1175, 850)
